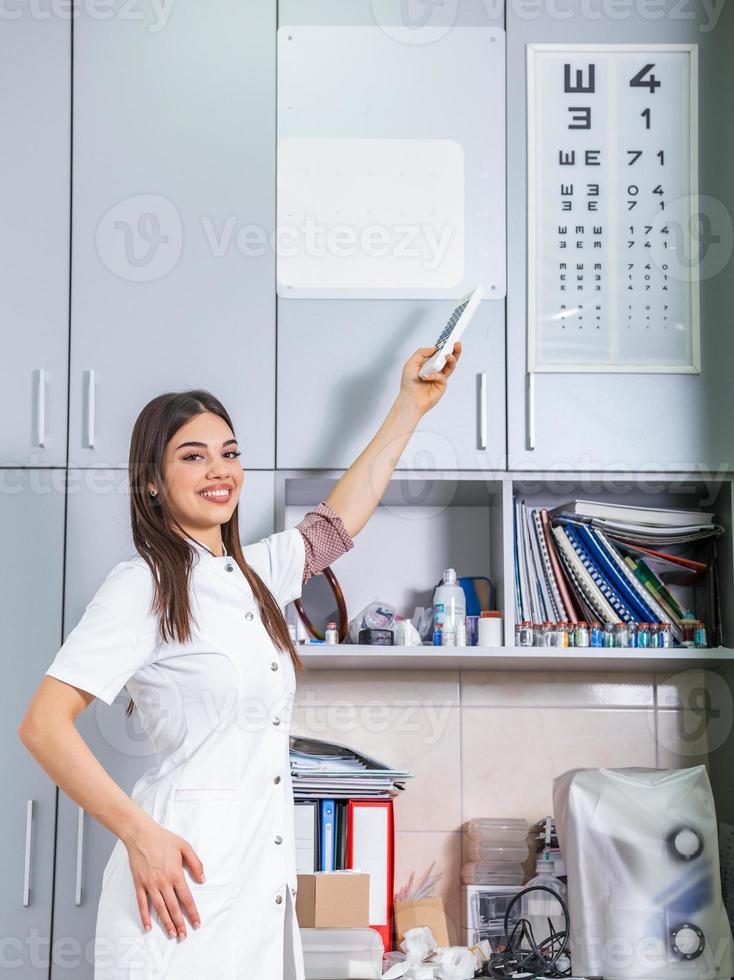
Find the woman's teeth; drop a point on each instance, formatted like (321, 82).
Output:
(214, 493)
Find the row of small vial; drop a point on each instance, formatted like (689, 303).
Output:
(596, 634)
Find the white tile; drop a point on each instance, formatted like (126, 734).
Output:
(510, 757)
(556, 688)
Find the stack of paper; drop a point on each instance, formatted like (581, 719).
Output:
(321, 769)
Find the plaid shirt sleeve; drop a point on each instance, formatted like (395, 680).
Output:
(325, 539)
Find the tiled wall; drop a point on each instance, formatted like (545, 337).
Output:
(488, 744)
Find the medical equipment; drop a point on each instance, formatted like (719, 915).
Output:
(452, 332)
(644, 886)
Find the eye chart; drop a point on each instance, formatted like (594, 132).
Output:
(612, 208)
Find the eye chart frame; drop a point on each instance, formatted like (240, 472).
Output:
(580, 108)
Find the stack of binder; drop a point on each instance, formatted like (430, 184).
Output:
(590, 560)
(345, 819)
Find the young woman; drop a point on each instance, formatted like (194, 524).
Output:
(192, 626)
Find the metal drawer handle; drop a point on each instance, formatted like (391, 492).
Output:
(28, 845)
(90, 408)
(483, 410)
(79, 857)
(41, 408)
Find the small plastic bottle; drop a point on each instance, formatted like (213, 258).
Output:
(526, 634)
(331, 636)
(548, 634)
(608, 634)
(621, 635)
(664, 634)
(699, 636)
(562, 635)
(518, 634)
(596, 634)
(643, 636)
(688, 626)
(449, 601)
(632, 631)
(581, 638)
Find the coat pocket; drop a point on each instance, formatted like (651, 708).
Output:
(209, 818)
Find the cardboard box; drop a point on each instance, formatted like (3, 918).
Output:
(423, 912)
(333, 899)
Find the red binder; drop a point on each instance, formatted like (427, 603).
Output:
(371, 848)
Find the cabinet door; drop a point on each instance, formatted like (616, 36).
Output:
(35, 57)
(173, 273)
(339, 367)
(627, 422)
(32, 530)
(98, 536)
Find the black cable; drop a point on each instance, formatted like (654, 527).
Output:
(542, 958)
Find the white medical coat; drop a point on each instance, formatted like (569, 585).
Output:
(217, 710)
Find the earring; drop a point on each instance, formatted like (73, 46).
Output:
(153, 493)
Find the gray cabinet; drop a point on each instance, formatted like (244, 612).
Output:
(173, 270)
(32, 530)
(98, 536)
(339, 366)
(627, 422)
(35, 54)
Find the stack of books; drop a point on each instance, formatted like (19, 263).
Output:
(596, 561)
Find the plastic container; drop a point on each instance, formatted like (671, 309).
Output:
(449, 601)
(484, 905)
(342, 954)
(479, 873)
(539, 907)
(489, 629)
(497, 829)
(475, 849)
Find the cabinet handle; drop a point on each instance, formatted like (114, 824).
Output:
(27, 862)
(79, 857)
(90, 408)
(531, 410)
(41, 408)
(483, 410)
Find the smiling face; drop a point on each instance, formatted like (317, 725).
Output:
(203, 477)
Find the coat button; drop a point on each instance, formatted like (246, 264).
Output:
(273, 666)
(293, 891)
(249, 615)
(278, 899)
(276, 720)
(278, 839)
(276, 780)
(229, 567)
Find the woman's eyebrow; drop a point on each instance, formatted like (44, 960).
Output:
(204, 445)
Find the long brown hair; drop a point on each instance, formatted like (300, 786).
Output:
(169, 555)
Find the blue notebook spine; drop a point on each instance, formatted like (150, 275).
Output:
(328, 835)
(641, 611)
(604, 587)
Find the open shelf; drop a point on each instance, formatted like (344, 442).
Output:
(360, 657)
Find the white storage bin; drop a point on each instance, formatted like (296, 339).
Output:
(342, 954)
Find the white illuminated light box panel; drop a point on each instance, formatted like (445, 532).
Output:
(370, 214)
(390, 183)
